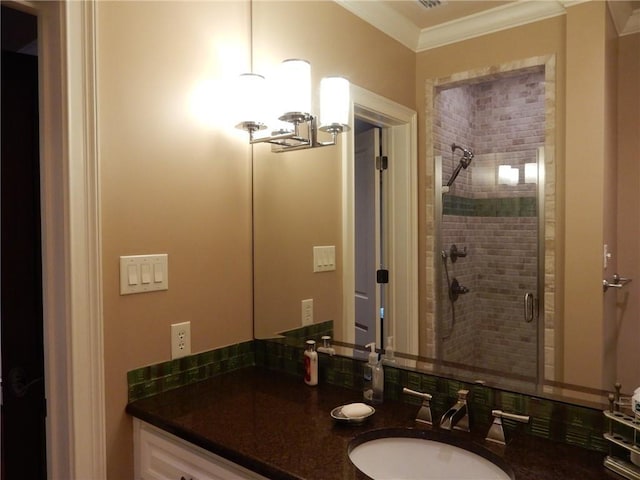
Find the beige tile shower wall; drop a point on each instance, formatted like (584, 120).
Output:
(174, 180)
(503, 115)
(489, 329)
(458, 325)
(433, 88)
(454, 123)
(497, 119)
(510, 112)
(505, 256)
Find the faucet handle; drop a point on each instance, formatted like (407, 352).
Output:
(496, 432)
(424, 414)
(511, 416)
(462, 395)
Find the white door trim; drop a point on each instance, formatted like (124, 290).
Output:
(85, 247)
(399, 125)
(71, 249)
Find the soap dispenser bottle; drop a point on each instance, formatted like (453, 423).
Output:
(373, 377)
(310, 363)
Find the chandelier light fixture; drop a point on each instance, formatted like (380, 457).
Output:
(291, 123)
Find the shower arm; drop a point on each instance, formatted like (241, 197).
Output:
(455, 174)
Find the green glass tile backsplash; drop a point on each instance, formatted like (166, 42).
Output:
(153, 379)
(552, 420)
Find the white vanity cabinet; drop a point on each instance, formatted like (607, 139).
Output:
(159, 455)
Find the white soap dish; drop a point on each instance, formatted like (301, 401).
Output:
(352, 413)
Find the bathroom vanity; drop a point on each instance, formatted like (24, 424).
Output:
(257, 423)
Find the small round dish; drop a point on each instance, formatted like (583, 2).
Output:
(339, 416)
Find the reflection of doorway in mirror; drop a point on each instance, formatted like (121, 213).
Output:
(369, 235)
(398, 132)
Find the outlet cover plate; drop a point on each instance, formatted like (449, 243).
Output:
(307, 312)
(180, 340)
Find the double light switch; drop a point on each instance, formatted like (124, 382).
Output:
(143, 273)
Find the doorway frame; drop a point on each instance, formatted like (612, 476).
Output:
(400, 144)
(71, 238)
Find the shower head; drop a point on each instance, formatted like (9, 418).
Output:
(465, 160)
(467, 155)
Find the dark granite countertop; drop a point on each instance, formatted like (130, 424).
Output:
(274, 424)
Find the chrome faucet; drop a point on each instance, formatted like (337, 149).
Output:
(424, 414)
(457, 417)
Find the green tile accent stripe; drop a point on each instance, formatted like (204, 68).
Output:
(489, 207)
(552, 420)
(153, 379)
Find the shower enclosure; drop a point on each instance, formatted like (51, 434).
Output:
(489, 267)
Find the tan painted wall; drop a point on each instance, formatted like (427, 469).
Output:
(170, 184)
(628, 250)
(588, 157)
(298, 194)
(610, 201)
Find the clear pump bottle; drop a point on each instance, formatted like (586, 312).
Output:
(373, 391)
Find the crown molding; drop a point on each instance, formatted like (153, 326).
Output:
(398, 27)
(489, 21)
(626, 20)
(385, 19)
(633, 23)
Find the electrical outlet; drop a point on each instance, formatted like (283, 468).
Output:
(307, 311)
(180, 340)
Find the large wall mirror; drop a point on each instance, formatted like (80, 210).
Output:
(491, 217)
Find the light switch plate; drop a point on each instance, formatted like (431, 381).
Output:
(324, 258)
(144, 273)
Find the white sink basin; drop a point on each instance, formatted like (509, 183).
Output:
(400, 457)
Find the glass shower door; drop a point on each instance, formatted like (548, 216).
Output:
(491, 265)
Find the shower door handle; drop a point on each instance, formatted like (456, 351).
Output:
(528, 307)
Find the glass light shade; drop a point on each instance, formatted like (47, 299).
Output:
(273, 108)
(250, 100)
(334, 101)
(508, 175)
(295, 86)
(530, 173)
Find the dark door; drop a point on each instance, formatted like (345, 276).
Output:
(23, 402)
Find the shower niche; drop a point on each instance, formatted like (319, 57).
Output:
(493, 208)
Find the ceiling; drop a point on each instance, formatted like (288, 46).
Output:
(421, 28)
(445, 11)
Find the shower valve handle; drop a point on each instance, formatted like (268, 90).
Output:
(456, 290)
(454, 253)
